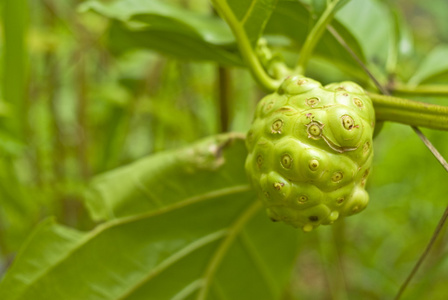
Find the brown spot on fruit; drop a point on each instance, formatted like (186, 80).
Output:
(302, 199)
(278, 185)
(337, 176)
(358, 102)
(313, 218)
(286, 161)
(277, 126)
(314, 164)
(347, 122)
(312, 101)
(314, 130)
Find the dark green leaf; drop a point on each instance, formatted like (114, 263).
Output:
(206, 228)
(168, 29)
(162, 16)
(122, 39)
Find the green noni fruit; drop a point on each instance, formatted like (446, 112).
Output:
(310, 151)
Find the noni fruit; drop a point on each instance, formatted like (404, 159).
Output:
(310, 151)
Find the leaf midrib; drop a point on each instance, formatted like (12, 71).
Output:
(125, 220)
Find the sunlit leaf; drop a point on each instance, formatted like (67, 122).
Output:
(200, 226)
(435, 64)
(370, 22)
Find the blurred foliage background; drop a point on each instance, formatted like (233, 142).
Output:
(72, 107)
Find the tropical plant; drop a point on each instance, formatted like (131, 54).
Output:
(142, 187)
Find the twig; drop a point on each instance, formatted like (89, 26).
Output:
(433, 150)
(341, 41)
(424, 254)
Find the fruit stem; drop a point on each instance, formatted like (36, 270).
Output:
(245, 47)
(430, 89)
(315, 35)
(395, 109)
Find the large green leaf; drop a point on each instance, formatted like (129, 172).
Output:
(168, 177)
(168, 29)
(201, 234)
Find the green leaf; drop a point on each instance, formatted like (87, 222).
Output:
(207, 241)
(252, 15)
(162, 16)
(168, 177)
(401, 46)
(168, 29)
(434, 65)
(370, 22)
(121, 39)
(318, 6)
(294, 20)
(14, 66)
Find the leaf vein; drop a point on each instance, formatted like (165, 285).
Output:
(248, 12)
(258, 262)
(105, 226)
(223, 248)
(175, 257)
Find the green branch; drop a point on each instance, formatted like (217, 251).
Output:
(430, 89)
(315, 35)
(414, 113)
(246, 50)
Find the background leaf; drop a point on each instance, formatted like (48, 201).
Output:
(252, 15)
(294, 20)
(167, 28)
(373, 29)
(190, 247)
(433, 66)
(173, 44)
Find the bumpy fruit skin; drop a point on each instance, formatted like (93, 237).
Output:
(310, 151)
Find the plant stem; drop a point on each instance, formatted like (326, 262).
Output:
(315, 35)
(414, 113)
(246, 50)
(14, 66)
(425, 253)
(430, 89)
(224, 98)
(328, 248)
(431, 148)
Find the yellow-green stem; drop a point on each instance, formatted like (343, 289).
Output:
(314, 36)
(246, 50)
(429, 89)
(389, 108)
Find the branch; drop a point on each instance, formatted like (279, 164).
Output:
(429, 90)
(314, 36)
(414, 113)
(246, 50)
(425, 253)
